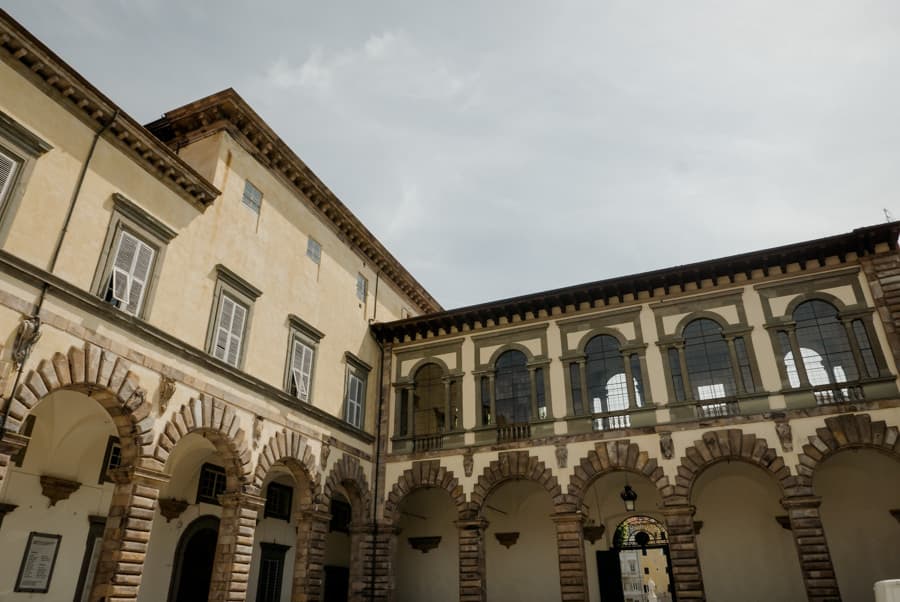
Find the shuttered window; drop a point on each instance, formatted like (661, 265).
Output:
(356, 389)
(8, 167)
(130, 273)
(301, 370)
(252, 196)
(229, 330)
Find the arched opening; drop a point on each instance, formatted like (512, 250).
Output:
(193, 564)
(426, 558)
(708, 361)
(59, 485)
(608, 389)
(860, 491)
(521, 556)
(746, 550)
(614, 557)
(338, 550)
(429, 401)
(512, 389)
(277, 537)
(198, 480)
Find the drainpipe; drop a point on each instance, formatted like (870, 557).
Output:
(377, 464)
(52, 266)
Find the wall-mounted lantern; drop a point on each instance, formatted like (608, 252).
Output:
(629, 496)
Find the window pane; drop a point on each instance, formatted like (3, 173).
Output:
(825, 348)
(575, 380)
(361, 286)
(605, 368)
(675, 369)
(865, 348)
(512, 389)
(314, 250)
(252, 196)
(429, 400)
(744, 364)
(708, 360)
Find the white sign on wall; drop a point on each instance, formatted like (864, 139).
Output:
(37, 563)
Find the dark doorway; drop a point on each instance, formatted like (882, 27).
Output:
(194, 557)
(337, 584)
(609, 572)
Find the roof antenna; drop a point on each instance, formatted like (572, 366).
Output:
(887, 215)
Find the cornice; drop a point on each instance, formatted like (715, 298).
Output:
(25, 53)
(650, 287)
(227, 111)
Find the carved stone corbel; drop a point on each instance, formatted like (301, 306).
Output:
(562, 455)
(666, 446)
(171, 508)
(57, 489)
(785, 436)
(27, 335)
(166, 391)
(468, 462)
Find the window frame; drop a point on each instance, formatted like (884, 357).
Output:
(111, 443)
(285, 490)
(256, 209)
(128, 217)
(205, 499)
(355, 368)
(304, 333)
(238, 291)
(362, 294)
(24, 147)
(312, 243)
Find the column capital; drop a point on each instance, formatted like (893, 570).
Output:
(242, 499)
(140, 475)
(574, 516)
(805, 501)
(468, 524)
(681, 509)
(11, 443)
(315, 515)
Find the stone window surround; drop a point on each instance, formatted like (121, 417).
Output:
(360, 369)
(129, 217)
(25, 147)
(704, 306)
(605, 324)
(309, 335)
(846, 314)
(406, 386)
(405, 380)
(241, 291)
(532, 363)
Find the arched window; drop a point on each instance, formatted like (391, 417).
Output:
(607, 381)
(709, 368)
(429, 400)
(512, 388)
(825, 348)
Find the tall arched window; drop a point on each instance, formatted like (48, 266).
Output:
(512, 388)
(607, 379)
(825, 347)
(709, 367)
(429, 400)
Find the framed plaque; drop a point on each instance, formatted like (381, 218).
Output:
(36, 569)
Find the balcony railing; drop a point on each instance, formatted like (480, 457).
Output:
(718, 408)
(838, 393)
(610, 423)
(513, 432)
(425, 443)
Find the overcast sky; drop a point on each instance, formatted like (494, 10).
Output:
(509, 147)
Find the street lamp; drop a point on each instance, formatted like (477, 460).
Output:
(628, 496)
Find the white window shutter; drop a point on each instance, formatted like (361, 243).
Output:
(140, 274)
(8, 167)
(237, 332)
(354, 400)
(223, 328)
(301, 369)
(122, 266)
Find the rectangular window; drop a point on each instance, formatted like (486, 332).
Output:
(211, 484)
(130, 273)
(340, 517)
(575, 380)
(252, 196)
(278, 501)
(675, 368)
(301, 370)
(229, 330)
(112, 459)
(355, 393)
(8, 169)
(362, 286)
(314, 250)
(271, 572)
(740, 348)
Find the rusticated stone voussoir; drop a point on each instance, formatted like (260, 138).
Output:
(727, 444)
(511, 466)
(293, 450)
(426, 474)
(612, 456)
(846, 431)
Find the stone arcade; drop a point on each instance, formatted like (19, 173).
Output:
(296, 418)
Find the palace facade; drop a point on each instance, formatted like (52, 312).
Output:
(217, 384)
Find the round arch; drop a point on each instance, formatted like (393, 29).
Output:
(293, 451)
(219, 424)
(814, 296)
(347, 473)
(104, 377)
(424, 362)
(426, 475)
(529, 356)
(599, 332)
(512, 466)
(615, 456)
(702, 315)
(726, 445)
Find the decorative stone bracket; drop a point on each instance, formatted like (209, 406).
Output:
(784, 521)
(424, 544)
(56, 489)
(593, 532)
(171, 508)
(6, 509)
(507, 539)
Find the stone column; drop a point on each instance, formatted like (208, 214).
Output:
(570, 547)
(686, 575)
(472, 583)
(629, 381)
(799, 364)
(309, 555)
(815, 559)
(127, 533)
(371, 557)
(735, 365)
(234, 548)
